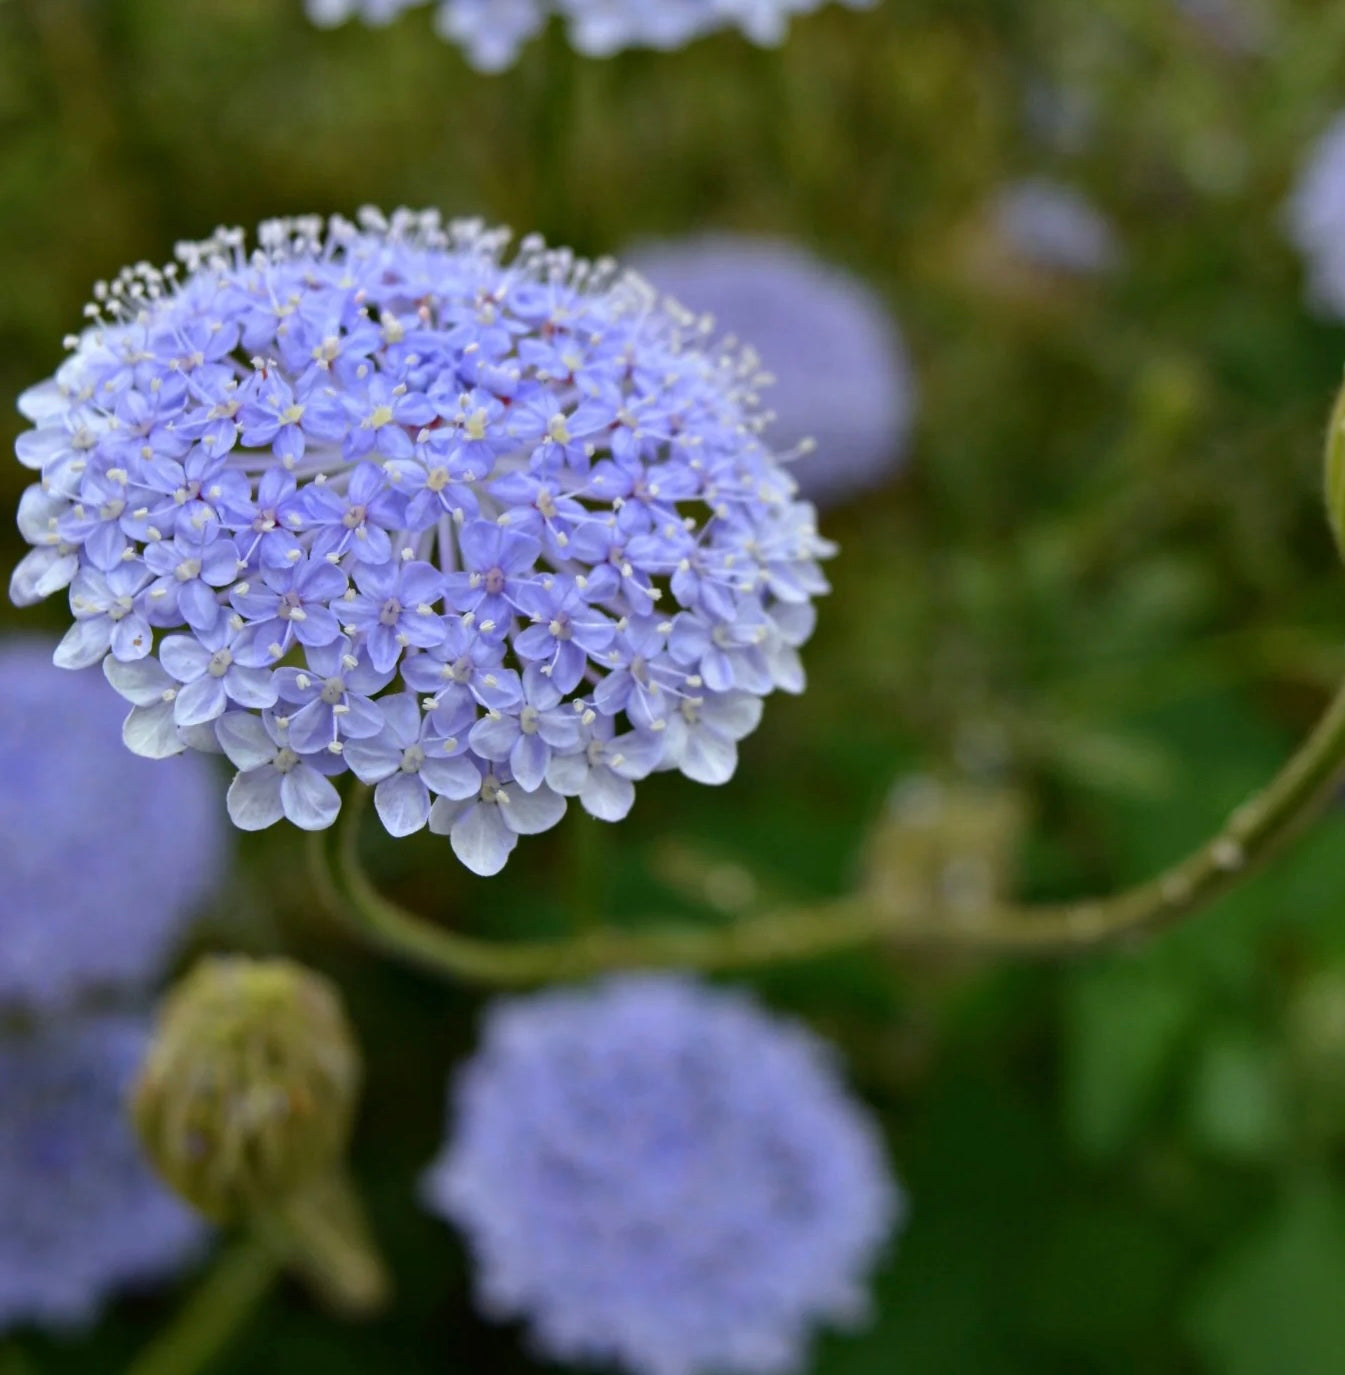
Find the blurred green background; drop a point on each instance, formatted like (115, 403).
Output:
(1102, 582)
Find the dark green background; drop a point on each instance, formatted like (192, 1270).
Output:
(1106, 553)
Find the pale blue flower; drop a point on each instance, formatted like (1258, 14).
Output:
(513, 500)
(1055, 227)
(1315, 219)
(662, 1177)
(844, 393)
(104, 857)
(84, 1217)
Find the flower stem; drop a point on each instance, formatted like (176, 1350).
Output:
(1251, 834)
(215, 1312)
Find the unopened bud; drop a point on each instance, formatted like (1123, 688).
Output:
(945, 847)
(249, 1089)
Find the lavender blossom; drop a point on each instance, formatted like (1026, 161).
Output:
(83, 1214)
(661, 1176)
(516, 496)
(844, 393)
(104, 856)
(1054, 227)
(1315, 219)
(491, 32)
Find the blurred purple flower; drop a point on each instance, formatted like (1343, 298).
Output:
(661, 1176)
(83, 1214)
(103, 855)
(842, 379)
(1315, 218)
(1052, 226)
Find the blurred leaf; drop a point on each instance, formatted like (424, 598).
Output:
(1237, 1106)
(1276, 1303)
(1124, 1023)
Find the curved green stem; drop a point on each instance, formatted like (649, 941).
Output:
(225, 1300)
(1253, 832)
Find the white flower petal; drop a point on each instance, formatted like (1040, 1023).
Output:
(707, 756)
(528, 814)
(246, 741)
(142, 682)
(606, 795)
(151, 732)
(254, 799)
(310, 801)
(403, 804)
(84, 643)
(481, 840)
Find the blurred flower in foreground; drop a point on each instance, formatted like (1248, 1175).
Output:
(375, 497)
(1315, 219)
(103, 855)
(491, 32)
(662, 1176)
(249, 1089)
(842, 380)
(245, 1103)
(82, 1213)
(1053, 227)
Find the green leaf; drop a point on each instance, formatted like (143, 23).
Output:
(1124, 1023)
(1276, 1304)
(1236, 1107)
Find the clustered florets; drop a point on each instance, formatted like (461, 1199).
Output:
(90, 903)
(82, 1212)
(491, 32)
(489, 533)
(662, 1177)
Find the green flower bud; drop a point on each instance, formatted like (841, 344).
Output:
(945, 847)
(248, 1092)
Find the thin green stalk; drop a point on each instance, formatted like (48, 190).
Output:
(214, 1314)
(1249, 836)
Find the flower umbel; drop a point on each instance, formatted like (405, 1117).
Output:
(83, 1214)
(661, 1176)
(387, 461)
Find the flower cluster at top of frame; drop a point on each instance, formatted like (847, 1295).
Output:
(661, 1176)
(488, 532)
(491, 32)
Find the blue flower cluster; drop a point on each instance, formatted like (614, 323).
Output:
(90, 903)
(1315, 218)
(491, 32)
(661, 1176)
(490, 532)
(83, 1214)
(844, 392)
